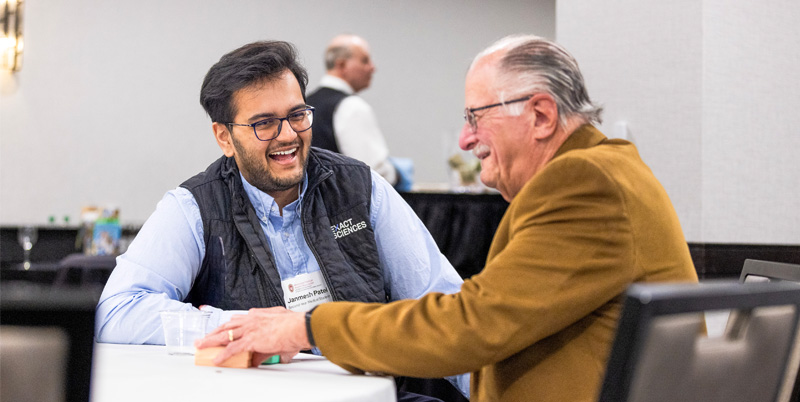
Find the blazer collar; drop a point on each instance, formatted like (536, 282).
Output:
(586, 136)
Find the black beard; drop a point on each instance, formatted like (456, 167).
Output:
(268, 183)
(263, 179)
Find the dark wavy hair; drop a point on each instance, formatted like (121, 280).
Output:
(252, 63)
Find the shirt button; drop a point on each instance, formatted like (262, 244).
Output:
(286, 234)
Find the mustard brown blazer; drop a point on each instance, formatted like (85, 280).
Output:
(538, 322)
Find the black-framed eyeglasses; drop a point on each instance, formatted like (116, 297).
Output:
(270, 128)
(472, 119)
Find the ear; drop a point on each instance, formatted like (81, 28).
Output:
(340, 63)
(223, 137)
(545, 110)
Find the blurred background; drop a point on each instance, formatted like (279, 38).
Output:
(104, 110)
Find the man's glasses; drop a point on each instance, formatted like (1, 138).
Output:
(270, 128)
(472, 119)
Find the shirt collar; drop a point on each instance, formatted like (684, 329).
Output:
(263, 202)
(336, 83)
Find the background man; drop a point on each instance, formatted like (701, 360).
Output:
(586, 219)
(344, 122)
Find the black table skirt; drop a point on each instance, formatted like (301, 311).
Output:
(462, 225)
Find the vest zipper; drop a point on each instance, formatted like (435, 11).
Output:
(321, 266)
(272, 298)
(311, 246)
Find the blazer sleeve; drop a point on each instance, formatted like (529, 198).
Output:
(562, 251)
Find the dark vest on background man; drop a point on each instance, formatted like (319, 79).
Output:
(238, 271)
(325, 101)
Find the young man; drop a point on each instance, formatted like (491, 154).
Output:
(273, 222)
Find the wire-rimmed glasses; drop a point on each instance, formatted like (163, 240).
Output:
(472, 119)
(270, 128)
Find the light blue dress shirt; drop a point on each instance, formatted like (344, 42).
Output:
(159, 267)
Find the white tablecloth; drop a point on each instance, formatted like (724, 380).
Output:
(139, 373)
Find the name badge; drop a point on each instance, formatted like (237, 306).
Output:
(305, 291)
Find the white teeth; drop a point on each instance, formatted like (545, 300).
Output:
(287, 152)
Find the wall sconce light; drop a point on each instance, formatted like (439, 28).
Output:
(11, 34)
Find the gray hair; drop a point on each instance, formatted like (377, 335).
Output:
(533, 64)
(335, 53)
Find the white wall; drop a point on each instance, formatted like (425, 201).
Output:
(709, 94)
(105, 109)
(751, 97)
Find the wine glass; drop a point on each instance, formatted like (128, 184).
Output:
(27, 236)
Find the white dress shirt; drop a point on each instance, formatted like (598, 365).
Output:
(357, 132)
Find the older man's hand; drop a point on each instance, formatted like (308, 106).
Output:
(264, 331)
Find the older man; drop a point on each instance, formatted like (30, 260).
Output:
(586, 219)
(345, 122)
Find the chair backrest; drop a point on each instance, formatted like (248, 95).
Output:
(765, 271)
(661, 351)
(40, 321)
(769, 271)
(33, 362)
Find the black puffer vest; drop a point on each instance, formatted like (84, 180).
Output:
(325, 100)
(238, 270)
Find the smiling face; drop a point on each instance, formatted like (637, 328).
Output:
(503, 143)
(275, 167)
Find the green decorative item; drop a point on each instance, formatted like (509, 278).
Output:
(468, 171)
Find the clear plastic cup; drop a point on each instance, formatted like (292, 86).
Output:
(181, 328)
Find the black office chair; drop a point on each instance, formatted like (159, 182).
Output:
(769, 271)
(661, 351)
